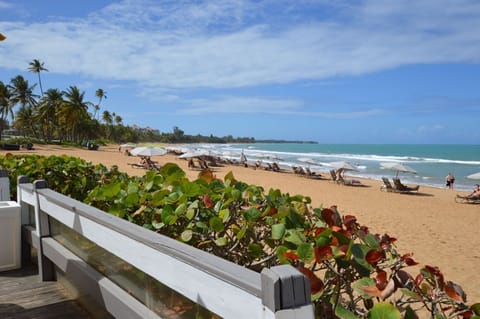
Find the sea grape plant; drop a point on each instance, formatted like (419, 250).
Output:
(353, 272)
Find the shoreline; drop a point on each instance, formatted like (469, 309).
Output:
(438, 231)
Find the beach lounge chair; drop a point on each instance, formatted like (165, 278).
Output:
(403, 188)
(348, 182)
(387, 186)
(467, 200)
(333, 175)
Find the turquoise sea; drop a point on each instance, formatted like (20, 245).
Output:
(431, 162)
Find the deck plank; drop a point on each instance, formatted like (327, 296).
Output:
(24, 296)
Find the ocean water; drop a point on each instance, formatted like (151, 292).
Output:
(431, 162)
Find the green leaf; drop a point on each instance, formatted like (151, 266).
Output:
(255, 250)
(344, 313)
(410, 314)
(186, 235)
(132, 199)
(190, 214)
(410, 294)
(363, 282)
(111, 190)
(180, 209)
(191, 189)
(384, 310)
(252, 214)
(305, 252)
(372, 241)
(278, 230)
(221, 241)
(281, 258)
(216, 224)
(241, 233)
(475, 308)
(224, 214)
(294, 236)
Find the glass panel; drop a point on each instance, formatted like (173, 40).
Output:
(156, 296)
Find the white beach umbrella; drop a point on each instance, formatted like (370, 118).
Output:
(148, 151)
(344, 165)
(474, 176)
(308, 160)
(398, 167)
(128, 145)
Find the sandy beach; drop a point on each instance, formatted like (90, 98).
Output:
(438, 231)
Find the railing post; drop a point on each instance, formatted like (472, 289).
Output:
(24, 220)
(286, 292)
(46, 268)
(4, 185)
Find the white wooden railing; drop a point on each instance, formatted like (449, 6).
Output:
(222, 287)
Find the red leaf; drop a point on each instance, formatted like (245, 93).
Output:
(349, 221)
(419, 279)
(322, 253)
(272, 211)
(207, 201)
(455, 292)
(290, 255)
(374, 256)
(328, 216)
(381, 279)
(408, 260)
(372, 291)
(318, 231)
(316, 284)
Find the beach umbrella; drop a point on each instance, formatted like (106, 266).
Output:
(398, 167)
(308, 160)
(127, 145)
(474, 176)
(344, 165)
(243, 158)
(148, 151)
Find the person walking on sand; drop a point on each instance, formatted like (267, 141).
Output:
(449, 180)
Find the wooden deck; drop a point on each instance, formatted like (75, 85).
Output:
(24, 296)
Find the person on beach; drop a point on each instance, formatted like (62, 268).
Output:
(476, 192)
(449, 180)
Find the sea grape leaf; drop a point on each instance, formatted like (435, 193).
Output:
(372, 241)
(221, 241)
(305, 252)
(255, 250)
(224, 214)
(186, 235)
(252, 214)
(294, 236)
(363, 282)
(384, 310)
(216, 224)
(111, 190)
(344, 313)
(191, 189)
(278, 230)
(281, 250)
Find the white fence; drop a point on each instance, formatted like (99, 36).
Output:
(221, 287)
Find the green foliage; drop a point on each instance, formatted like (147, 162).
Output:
(353, 272)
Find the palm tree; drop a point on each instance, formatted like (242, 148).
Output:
(21, 92)
(46, 111)
(118, 120)
(6, 106)
(25, 121)
(36, 67)
(74, 111)
(101, 95)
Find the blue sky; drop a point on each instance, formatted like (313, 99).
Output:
(386, 71)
